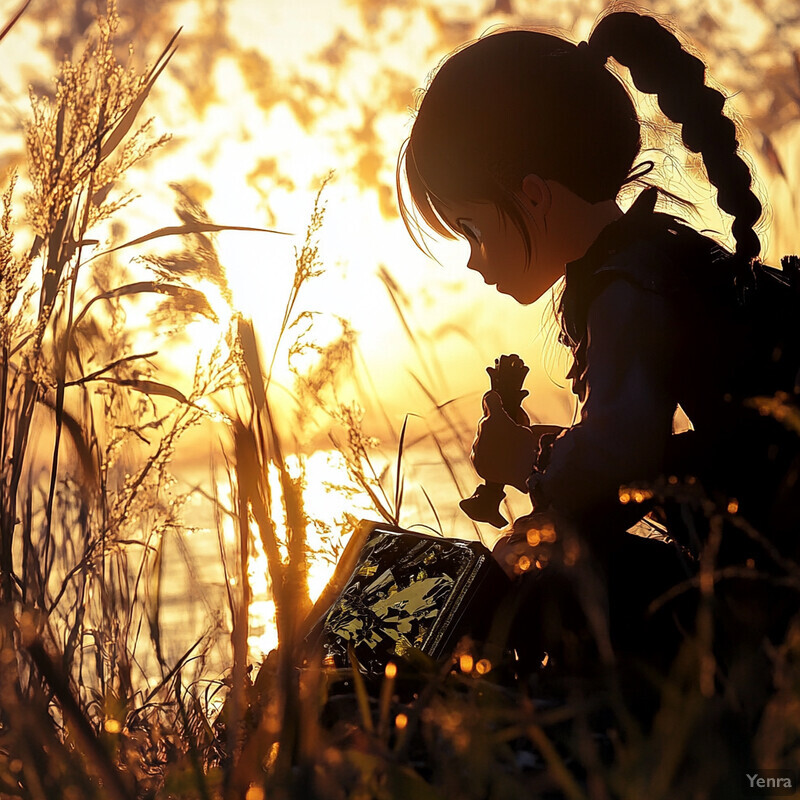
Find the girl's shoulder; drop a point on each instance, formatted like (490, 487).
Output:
(654, 252)
(665, 256)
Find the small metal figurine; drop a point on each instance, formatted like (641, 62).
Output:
(506, 378)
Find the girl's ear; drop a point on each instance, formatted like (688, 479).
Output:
(537, 192)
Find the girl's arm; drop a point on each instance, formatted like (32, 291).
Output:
(626, 418)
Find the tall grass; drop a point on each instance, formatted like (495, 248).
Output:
(94, 701)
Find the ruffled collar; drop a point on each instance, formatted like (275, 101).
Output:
(640, 220)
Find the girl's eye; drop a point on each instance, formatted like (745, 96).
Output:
(471, 230)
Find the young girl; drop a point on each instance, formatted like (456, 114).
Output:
(521, 144)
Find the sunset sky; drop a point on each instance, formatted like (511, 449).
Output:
(263, 99)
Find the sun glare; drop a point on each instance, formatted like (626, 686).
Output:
(325, 504)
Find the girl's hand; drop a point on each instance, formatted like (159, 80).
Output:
(532, 542)
(503, 451)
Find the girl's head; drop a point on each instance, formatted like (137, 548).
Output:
(520, 103)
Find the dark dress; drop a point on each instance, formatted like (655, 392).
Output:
(653, 318)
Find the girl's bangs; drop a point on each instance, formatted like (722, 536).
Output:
(421, 207)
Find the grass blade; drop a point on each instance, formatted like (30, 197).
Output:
(13, 21)
(433, 509)
(126, 121)
(194, 296)
(80, 725)
(252, 362)
(182, 230)
(149, 387)
(399, 478)
(360, 688)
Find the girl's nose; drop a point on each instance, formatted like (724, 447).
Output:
(475, 262)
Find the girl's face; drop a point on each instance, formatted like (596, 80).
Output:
(560, 226)
(497, 251)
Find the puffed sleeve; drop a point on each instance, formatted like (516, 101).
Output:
(630, 397)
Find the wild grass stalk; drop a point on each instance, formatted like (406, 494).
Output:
(83, 529)
(259, 453)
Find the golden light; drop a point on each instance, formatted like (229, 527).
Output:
(272, 755)
(548, 533)
(323, 471)
(401, 722)
(483, 667)
(112, 725)
(391, 671)
(733, 506)
(466, 663)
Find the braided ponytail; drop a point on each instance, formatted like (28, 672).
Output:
(659, 65)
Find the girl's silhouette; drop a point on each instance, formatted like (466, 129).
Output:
(521, 144)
